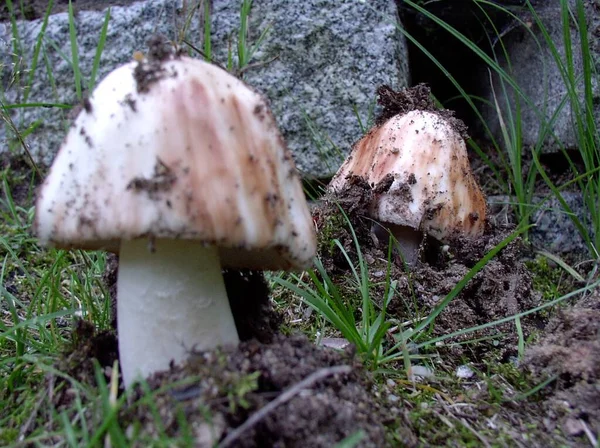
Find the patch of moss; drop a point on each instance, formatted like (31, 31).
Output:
(330, 229)
(548, 280)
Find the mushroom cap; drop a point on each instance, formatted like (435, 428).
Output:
(418, 166)
(178, 149)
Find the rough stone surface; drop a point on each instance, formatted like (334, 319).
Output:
(554, 230)
(534, 69)
(129, 28)
(319, 61)
(330, 57)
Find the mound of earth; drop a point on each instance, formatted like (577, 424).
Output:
(288, 392)
(569, 352)
(334, 406)
(502, 288)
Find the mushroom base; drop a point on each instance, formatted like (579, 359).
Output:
(408, 240)
(171, 300)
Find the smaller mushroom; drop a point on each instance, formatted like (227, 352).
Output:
(422, 182)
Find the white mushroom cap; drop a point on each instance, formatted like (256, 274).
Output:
(181, 153)
(178, 149)
(418, 164)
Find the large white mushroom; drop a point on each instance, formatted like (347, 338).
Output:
(417, 164)
(179, 167)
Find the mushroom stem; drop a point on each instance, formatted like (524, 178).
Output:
(170, 301)
(408, 240)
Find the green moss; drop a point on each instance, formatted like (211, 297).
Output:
(331, 228)
(548, 280)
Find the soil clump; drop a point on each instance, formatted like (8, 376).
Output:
(328, 394)
(569, 352)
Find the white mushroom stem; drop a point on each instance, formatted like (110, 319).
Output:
(408, 240)
(171, 299)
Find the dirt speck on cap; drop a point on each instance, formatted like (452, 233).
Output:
(150, 70)
(162, 180)
(130, 102)
(414, 98)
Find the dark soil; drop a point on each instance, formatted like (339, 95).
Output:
(21, 178)
(87, 348)
(110, 280)
(569, 409)
(570, 352)
(36, 9)
(224, 388)
(254, 316)
(321, 416)
(413, 98)
(501, 289)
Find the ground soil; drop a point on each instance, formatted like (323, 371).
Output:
(570, 352)
(22, 178)
(36, 9)
(563, 412)
(231, 385)
(569, 348)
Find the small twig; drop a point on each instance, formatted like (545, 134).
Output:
(285, 396)
(588, 432)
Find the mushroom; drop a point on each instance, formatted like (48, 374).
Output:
(180, 168)
(422, 182)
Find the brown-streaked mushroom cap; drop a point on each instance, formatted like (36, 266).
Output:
(178, 149)
(418, 165)
(178, 166)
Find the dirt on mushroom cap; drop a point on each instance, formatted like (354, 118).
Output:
(414, 98)
(433, 188)
(150, 70)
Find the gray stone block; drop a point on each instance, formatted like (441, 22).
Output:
(128, 31)
(534, 69)
(321, 60)
(554, 230)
